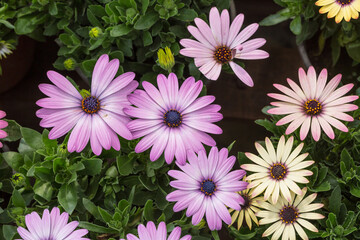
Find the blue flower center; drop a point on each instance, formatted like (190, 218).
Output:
(90, 104)
(172, 118)
(208, 187)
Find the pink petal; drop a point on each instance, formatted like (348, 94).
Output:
(215, 25)
(235, 28)
(58, 103)
(154, 94)
(225, 24)
(188, 92)
(25, 234)
(107, 76)
(55, 92)
(143, 233)
(61, 82)
(305, 128)
(199, 103)
(175, 234)
(164, 91)
(119, 83)
(326, 127)
(2, 114)
(204, 126)
(321, 83)
(180, 151)
(255, 54)
(330, 87)
(211, 215)
(116, 123)
(146, 142)
(170, 148)
(339, 115)
(339, 93)
(252, 44)
(342, 108)
(288, 118)
(195, 205)
(205, 31)
(199, 214)
(288, 92)
(221, 210)
(214, 72)
(100, 65)
(189, 43)
(64, 126)
(295, 124)
(196, 33)
(312, 81)
(80, 135)
(142, 100)
(241, 74)
(159, 146)
(161, 232)
(285, 110)
(336, 123)
(244, 35)
(284, 98)
(199, 61)
(341, 100)
(296, 89)
(195, 52)
(315, 128)
(304, 83)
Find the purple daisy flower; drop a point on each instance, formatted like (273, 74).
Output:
(3, 124)
(206, 186)
(52, 226)
(151, 233)
(172, 120)
(98, 116)
(221, 43)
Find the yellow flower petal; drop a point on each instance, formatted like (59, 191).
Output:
(327, 8)
(324, 2)
(333, 11)
(234, 216)
(240, 219)
(339, 16)
(354, 13)
(356, 4)
(347, 13)
(248, 219)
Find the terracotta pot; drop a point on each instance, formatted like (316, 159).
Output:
(16, 65)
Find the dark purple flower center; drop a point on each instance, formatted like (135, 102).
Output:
(172, 118)
(223, 55)
(278, 171)
(247, 202)
(288, 214)
(344, 2)
(90, 104)
(208, 187)
(312, 107)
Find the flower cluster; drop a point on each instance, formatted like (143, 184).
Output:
(173, 120)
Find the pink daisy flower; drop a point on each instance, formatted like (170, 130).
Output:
(173, 120)
(220, 43)
(51, 226)
(151, 233)
(97, 117)
(314, 105)
(206, 186)
(3, 124)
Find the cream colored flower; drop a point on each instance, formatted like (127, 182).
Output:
(340, 9)
(5, 49)
(247, 210)
(288, 217)
(277, 171)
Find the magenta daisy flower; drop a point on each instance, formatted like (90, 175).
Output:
(3, 124)
(98, 116)
(206, 186)
(51, 226)
(220, 43)
(173, 120)
(151, 233)
(314, 105)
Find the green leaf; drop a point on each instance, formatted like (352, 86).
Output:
(295, 25)
(53, 10)
(17, 199)
(323, 187)
(24, 25)
(125, 165)
(355, 191)
(88, 65)
(104, 215)
(353, 49)
(147, 38)
(186, 15)
(335, 200)
(231, 146)
(50, 144)
(144, 6)
(43, 189)
(331, 221)
(146, 21)
(92, 166)
(347, 159)
(67, 197)
(149, 210)
(96, 228)
(275, 18)
(44, 173)
(120, 30)
(32, 138)
(7, 24)
(13, 131)
(9, 231)
(215, 235)
(91, 208)
(92, 18)
(14, 160)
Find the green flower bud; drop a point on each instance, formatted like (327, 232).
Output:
(95, 32)
(69, 64)
(166, 59)
(18, 179)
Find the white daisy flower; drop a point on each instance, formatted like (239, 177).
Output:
(288, 217)
(277, 171)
